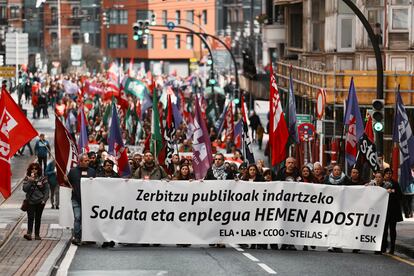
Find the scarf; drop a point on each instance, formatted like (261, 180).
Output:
(219, 172)
(336, 180)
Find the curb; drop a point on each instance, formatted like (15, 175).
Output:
(405, 249)
(55, 257)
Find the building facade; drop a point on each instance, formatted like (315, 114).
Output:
(322, 44)
(162, 51)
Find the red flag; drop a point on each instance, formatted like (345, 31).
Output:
(150, 81)
(66, 151)
(5, 172)
(20, 130)
(278, 132)
(369, 130)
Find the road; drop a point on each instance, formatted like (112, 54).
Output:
(203, 260)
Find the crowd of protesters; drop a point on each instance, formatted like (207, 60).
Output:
(67, 94)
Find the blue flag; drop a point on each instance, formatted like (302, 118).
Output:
(178, 119)
(116, 146)
(403, 135)
(291, 117)
(355, 130)
(146, 103)
(220, 122)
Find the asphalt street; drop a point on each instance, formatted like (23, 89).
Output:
(203, 260)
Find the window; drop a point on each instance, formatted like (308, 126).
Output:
(399, 19)
(190, 16)
(14, 12)
(75, 12)
(118, 17)
(144, 14)
(123, 17)
(204, 16)
(54, 16)
(295, 39)
(117, 41)
(54, 38)
(190, 42)
(346, 33)
(164, 17)
(177, 41)
(318, 25)
(164, 41)
(177, 17)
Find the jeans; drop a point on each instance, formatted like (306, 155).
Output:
(77, 224)
(54, 195)
(34, 213)
(42, 160)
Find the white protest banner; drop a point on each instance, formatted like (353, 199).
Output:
(175, 212)
(65, 210)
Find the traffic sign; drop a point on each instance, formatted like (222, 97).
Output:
(7, 71)
(303, 118)
(17, 48)
(170, 25)
(306, 132)
(320, 103)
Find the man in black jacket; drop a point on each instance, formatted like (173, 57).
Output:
(74, 179)
(218, 171)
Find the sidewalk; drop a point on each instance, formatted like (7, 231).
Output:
(17, 255)
(405, 237)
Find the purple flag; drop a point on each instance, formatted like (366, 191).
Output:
(355, 126)
(83, 137)
(202, 154)
(116, 145)
(403, 135)
(291, 120)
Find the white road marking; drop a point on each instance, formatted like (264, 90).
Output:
(267, 268)
(235, 246)
(3, 225)
(64, 266)
(254, 259)
(251, 257)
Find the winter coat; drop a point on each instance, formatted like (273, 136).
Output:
(394, 203)
(74, 176)
(37, 190)
(155, 172)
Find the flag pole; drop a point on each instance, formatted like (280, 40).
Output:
(58, 166)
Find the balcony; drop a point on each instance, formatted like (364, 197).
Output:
(274, 34)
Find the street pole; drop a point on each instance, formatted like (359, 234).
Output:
(59, 34)
(17, 61)
(380, 70)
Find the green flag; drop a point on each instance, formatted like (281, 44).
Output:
(135, 87)
(156, 138)
(129, 121)
(107, 114)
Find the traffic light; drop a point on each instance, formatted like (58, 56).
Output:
(378, 114)
(140, 28)
(153, 19)
(249, 67)
(212, 81)
(105, 21)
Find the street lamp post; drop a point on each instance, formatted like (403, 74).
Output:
(380, 70)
